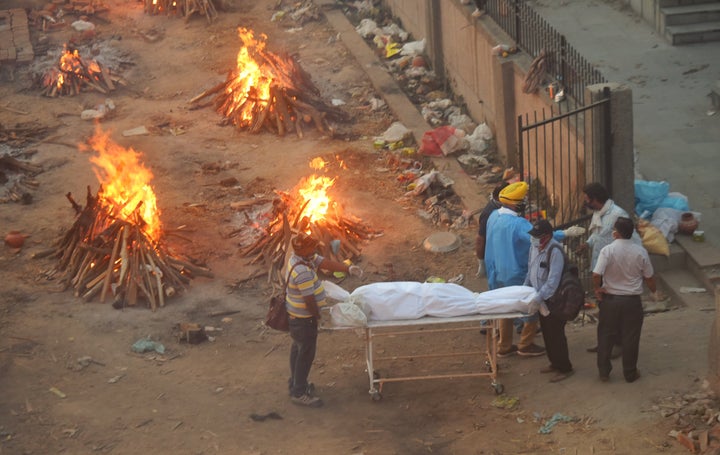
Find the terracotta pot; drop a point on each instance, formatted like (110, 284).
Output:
(688, 223)
(15, 239)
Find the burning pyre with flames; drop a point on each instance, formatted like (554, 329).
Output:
(308, 208)
(270, 91)
(74, 74)
(115, 247)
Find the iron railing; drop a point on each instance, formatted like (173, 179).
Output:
(533, 34)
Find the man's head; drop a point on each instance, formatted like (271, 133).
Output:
(542, 230)
(304, 244)
(624, 227)
(513, 195)
(498, 189)
(595, 195)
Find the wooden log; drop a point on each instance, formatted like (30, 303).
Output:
(111, 265)
(210, 91)
(197, 270)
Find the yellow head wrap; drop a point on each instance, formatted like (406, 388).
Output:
(514, 193)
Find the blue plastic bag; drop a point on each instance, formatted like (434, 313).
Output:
(649, 196)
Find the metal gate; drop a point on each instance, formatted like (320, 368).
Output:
(559, 155)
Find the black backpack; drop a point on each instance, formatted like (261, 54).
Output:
(569, 298)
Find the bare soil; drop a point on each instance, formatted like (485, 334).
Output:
(198, 399)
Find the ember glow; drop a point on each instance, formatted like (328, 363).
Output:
(126, 190)
(313, 191)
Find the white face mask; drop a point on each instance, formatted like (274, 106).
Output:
(534, 241)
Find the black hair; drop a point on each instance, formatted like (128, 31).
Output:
(498, 189)
(597, 192)
(625, 227)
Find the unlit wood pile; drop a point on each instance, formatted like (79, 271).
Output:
(294, 101)
(73, 74)
(272, 248)
(104, 255)
(184, 7)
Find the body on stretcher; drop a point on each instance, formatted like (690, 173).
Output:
(415, 301)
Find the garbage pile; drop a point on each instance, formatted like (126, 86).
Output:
(696, 419)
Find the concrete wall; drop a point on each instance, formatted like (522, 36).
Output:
(490, 86)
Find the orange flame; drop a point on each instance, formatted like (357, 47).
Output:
(71, 62)
(314, 191)
(126, 189)
(250, 85)
(317, 163)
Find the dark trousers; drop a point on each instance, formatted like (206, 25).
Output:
(303, 332)
(621, 318)
(556, 346)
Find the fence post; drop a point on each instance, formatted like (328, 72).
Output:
(617, 147)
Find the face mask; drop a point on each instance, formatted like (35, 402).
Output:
(534, 241)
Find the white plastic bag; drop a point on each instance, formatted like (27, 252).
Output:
(347, 314)
(413, 48)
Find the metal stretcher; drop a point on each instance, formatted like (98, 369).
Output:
(376, 329)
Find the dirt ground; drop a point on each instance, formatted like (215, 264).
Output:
(198, 399)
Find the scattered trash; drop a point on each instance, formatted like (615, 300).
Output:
(505, 402)
(146, 345)
(190, 332)
(395, 133)
(138, 131)
(15, 239)
(503, 50)
(57, 392)
(691, 290)
(264, 417)
(554, 420)
(115, 379)
(442, 140)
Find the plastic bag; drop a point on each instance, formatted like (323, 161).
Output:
(677, 201)
(367, 27)
(413, 48)
(649, 195)
(346, 314)
(443, 140)
(395, 132)
(653, 239)
(666, 219)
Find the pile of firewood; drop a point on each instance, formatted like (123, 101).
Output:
(340, 237)
(183, 7)
(294, 100)
(73, 74)
(103, 254)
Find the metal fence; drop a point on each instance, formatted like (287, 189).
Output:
(533, 34)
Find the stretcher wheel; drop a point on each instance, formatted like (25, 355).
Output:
(376, 396)
(499, 388)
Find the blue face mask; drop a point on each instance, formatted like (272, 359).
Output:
(534, 241)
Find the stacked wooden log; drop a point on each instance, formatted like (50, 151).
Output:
(73, 74)
(185, 8)
(340, 237)
(105, 255)
(294, 102)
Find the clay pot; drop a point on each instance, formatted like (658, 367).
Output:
(688, 223)
(15, 239)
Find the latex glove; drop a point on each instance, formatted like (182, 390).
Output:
(544, 310)
(534, 305)
(481, 268)
(355, 271)
(574, 231)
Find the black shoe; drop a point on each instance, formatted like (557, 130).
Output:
(633, 377)
(512, 351)
(531, 351)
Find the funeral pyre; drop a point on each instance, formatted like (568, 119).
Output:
(115, 247)
(183, 7)
(74, 74)
(308, 208)
(270, 91)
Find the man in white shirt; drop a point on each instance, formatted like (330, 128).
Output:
(618, 278)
